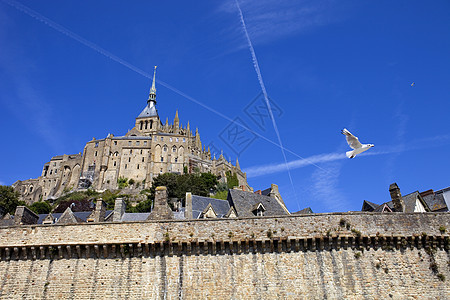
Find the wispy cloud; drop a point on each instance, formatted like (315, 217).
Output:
(423, 143)
(294, 164)
(402, 121)
(268, 20)
(21, 99)
(326, 188)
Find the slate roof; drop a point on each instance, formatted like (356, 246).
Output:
(83, 215)
(436, 201)
(148, 112)
(383, 208)
(369, 206)
(243, 202)
(409, 200)
(266, 192)
(179, 215)
(135, 216)
(199, 203)
(307, 210)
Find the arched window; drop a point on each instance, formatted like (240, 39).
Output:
(146, 123)
(142, 123)
(151, 124)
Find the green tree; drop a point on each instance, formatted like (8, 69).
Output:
(9, 199)
(177, 185)
(143, 206)
(40, 207)
(221, 195)
(232, 180)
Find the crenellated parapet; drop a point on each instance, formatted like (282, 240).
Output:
(283, 234)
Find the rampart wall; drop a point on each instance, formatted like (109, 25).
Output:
(326, 256)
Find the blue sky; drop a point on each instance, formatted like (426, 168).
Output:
(72, 70)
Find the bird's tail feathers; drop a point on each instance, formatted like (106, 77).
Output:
(349, 154)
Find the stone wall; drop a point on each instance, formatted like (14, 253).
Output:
(353, 256)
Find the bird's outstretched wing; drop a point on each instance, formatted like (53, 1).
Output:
(352, 140)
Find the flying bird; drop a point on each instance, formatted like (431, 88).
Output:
(412, 84)
(355, 144)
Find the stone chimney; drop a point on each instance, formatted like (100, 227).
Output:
(188, 210)
(119, 209)
(161, 210)
(100, 211)
(274, 193)
(25, 216)
(396, 196)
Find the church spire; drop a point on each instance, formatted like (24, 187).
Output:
(176, 121)
(152, 96)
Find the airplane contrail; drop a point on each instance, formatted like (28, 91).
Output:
(39, 17)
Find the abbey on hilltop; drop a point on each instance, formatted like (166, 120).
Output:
(149, 149)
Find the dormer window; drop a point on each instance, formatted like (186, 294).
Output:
(258, 209)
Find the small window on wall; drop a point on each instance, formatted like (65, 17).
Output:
(176, 159)
(165, 149)
(160, 171)
(137, 143)
(138, 167)
(141, 151)
(56, 171)
(162, 159)
(129, 159)
(114, 164)
(95, 153)
(96, 145)
(131, 151)
(162, 138)
(170, 139)
(143, 159)
(184, 140)
(129, 143)
(145, 143)
(177, 139)
(126, 166)
(115, 143)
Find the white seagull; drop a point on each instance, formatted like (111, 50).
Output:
(355, 144)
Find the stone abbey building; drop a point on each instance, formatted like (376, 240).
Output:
(149, 149)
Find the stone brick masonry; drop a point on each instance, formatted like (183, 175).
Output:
(333, 256)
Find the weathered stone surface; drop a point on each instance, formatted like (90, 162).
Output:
(333, 256)
(161, 210)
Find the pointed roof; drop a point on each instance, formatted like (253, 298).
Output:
(237, 164)
(68, 217)
(152, 94)
(245, 202)
(150, 109)
(176, 119)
